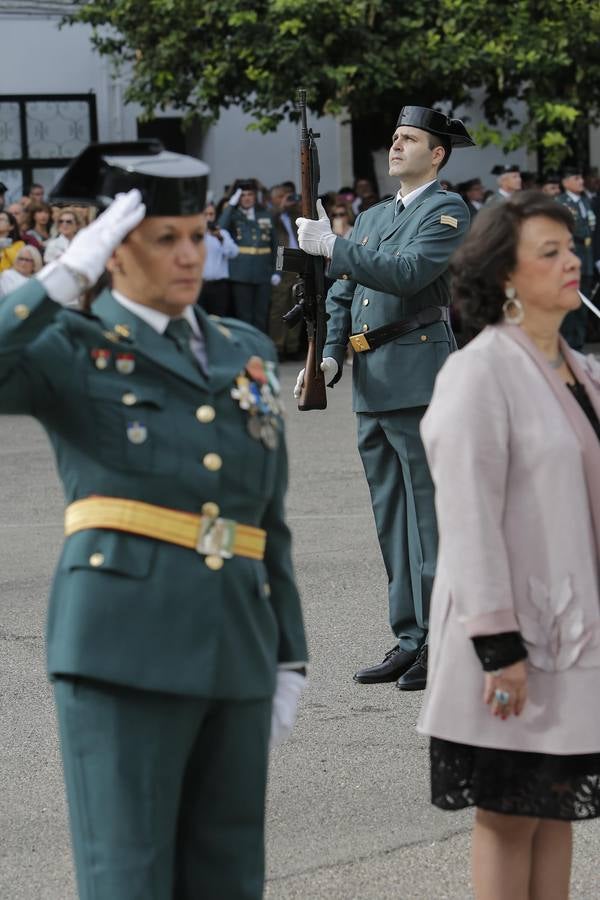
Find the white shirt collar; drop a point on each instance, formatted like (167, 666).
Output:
(410, 197)
(576, 198)
(154, 318)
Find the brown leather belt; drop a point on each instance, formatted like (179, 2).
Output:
(371, 340)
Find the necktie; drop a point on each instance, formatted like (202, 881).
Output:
(399, 208)
(180, 332)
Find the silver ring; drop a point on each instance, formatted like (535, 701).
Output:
(502, 697)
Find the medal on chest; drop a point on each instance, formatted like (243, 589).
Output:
(101, 358)
(256, 392)
(125, 363)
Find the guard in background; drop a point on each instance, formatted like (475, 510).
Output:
(252, 273)
(174, 615)
(288, 341)
(509, 181)
(391, 301)
(573, 196)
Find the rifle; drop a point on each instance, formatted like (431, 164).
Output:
(309, 288)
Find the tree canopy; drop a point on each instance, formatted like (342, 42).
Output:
(363, 58)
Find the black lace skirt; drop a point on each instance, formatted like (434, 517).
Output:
(541, 785)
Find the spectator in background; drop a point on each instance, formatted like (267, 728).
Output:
(509, 181)
(36, 193)
(472, 193)
(68, 225)
(346, 195)
(27, 262)
(447, 185)
(342, 219)
(574, 326)
(10, 240)
(550, 184)
(39, 216)
(286, 209)
(18, 212)
(252, 273)
(215, 296)
(365, 195)
(3, 191)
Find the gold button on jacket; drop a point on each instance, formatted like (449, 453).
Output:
(214, 562)
(210, 509)
(129, 399)
(212, 462)
(96, 560)
(205, 414)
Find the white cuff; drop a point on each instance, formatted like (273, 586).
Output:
(282, 667)
(61, 284)
(327, 243)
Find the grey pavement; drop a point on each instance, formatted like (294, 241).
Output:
(348, 814)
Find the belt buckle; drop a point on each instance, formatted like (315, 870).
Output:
(359, 343)
(216, 537)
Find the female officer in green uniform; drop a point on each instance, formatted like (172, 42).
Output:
(174, 616)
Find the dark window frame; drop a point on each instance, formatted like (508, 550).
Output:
(26, 164)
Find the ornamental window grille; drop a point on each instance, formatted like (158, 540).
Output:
(40, 134)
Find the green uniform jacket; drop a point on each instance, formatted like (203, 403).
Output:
(389, 269)
(257, 240)
(153, 615)
(583, 232)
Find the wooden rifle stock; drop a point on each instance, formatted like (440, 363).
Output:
(314, 394)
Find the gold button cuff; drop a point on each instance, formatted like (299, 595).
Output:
(129, 399)
(21, 311)
(96, 560)
(365, 327)
(214, 562)
(205, 414)
(344, 278)
(212, 462)
(366, 301)
(210, 509)
(424, 337)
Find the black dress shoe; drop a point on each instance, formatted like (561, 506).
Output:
(394, 663)
(415, 678)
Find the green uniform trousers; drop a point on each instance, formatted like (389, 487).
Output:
(402, 496)
(251, 303)
(166, 793)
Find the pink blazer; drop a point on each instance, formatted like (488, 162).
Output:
(516, 467)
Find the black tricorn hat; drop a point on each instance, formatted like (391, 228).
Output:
(436, 123)
(549, 178)
(571, 170)
(504, 169)
(171, 184)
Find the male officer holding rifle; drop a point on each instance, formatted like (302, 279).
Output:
(391, 302)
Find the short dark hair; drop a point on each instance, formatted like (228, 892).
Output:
(483, 263)
(437, 140)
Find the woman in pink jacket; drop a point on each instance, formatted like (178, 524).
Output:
(512, 437)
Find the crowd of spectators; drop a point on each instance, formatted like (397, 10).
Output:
(249, 222)
(32, 233)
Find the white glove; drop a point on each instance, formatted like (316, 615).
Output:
(285, 705)
(92, 247)
(235, 198)
(84, 260)
(275, 280)
(315, 235)
(329, 367)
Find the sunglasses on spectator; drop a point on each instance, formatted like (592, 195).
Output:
(66, 221)
(340, 215)
(26, 259)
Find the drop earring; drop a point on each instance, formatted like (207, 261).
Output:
(512, 308)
